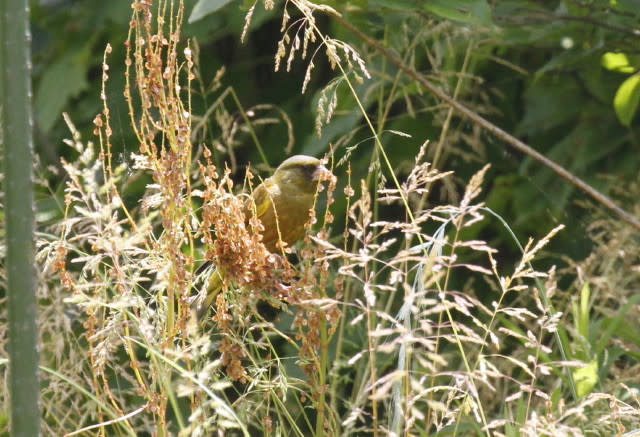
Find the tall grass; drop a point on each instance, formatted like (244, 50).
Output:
(399, 326)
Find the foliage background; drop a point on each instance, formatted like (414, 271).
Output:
(534, 69)
(548, 72)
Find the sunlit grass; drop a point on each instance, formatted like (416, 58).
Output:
(414, 325)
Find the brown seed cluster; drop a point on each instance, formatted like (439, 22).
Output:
(234, 241)
(232, 354)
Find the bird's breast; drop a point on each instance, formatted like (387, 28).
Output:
(285, 218)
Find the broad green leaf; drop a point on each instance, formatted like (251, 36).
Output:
(206, 7)
(570, 58)
(626, 99)
(597, 81)
(62, 81)
(466, 11)
(586, 378)
(617, 62)
(550, 102)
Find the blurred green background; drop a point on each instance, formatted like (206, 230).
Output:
(548, 72)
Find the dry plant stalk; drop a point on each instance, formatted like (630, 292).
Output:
(437, 325)
(131, 271)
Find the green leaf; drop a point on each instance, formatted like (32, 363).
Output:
(569, 59)
(618, 326)
(206, 7)
(465, 11)
(401, 5)
(617, 62)
(582, 321)
(586, 378)
(550, 102)
(625, 5)
(65, 79)
(626, 99)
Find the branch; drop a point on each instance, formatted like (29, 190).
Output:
(551, 17)
(492, 128)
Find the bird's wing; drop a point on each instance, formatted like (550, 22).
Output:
(261, 199)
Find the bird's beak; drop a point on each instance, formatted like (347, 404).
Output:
(321, 173)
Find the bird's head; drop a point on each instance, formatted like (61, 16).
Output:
(303, 172)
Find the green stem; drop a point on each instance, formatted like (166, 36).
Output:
(17, 140)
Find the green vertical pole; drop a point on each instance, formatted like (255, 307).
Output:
(17, 144)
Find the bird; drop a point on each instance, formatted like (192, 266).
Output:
(283, 204)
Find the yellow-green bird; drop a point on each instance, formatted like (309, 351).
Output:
(283, 204)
